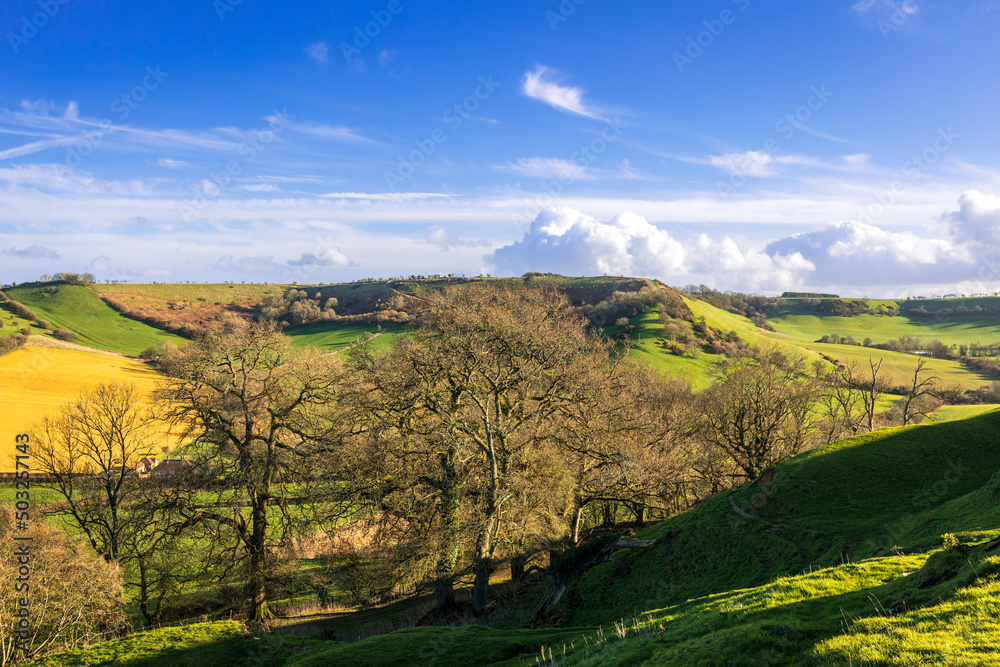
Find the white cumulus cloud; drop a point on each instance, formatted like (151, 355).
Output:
(542, 85)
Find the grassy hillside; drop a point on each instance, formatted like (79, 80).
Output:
(191, 293)
(331, 336)
(955, 412)
(853, 499)
(898, 367)
(36, 381)
(803, 324)
(748, 331)
(219, 644)
(696, 368)
(797, 329)
(79, 310)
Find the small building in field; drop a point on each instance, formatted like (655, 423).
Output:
(144, 466)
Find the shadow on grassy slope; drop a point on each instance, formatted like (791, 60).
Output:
(852, 500)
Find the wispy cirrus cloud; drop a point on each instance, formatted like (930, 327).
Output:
(385, 196)
(564, 170)
(543, 85)
(330, 132)
(171, 163)
(68, 127)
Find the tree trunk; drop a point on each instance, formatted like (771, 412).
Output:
(450, 518)
(481, 586)
(144, 592)
(577, 523)
(609, 513)
(561, 580)
(484, 564)
(517, 566)
(257, 584)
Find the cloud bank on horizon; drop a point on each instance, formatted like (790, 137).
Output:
(850, 254)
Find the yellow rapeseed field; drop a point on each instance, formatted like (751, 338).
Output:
(36, 381)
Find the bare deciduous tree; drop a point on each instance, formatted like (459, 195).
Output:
(758, 411)
(87, 452)
(75, 595)
(260, 411)
(919, 386)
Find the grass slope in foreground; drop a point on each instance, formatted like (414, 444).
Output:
(851, 500)
(79, 310)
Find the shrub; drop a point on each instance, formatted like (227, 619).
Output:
(67, 336)
(10, 343)
(20, 310)
(25, 331)
(157, 352)
(45, 324)
(81, 591)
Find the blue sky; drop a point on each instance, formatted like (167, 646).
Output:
(745, 144)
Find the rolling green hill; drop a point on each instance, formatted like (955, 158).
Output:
(796, 329)
(853, 499)
(803, 324)
(77, 309)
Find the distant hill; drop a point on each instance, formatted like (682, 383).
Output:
(79, 310)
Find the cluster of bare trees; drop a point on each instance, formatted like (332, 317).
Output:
(498, 431)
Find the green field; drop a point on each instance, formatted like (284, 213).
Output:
(330, 337)
(77, 309)
(898, 367)
(748, 331)
(697, 367)
(955, 412)
(193, 293)
(803, 324)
